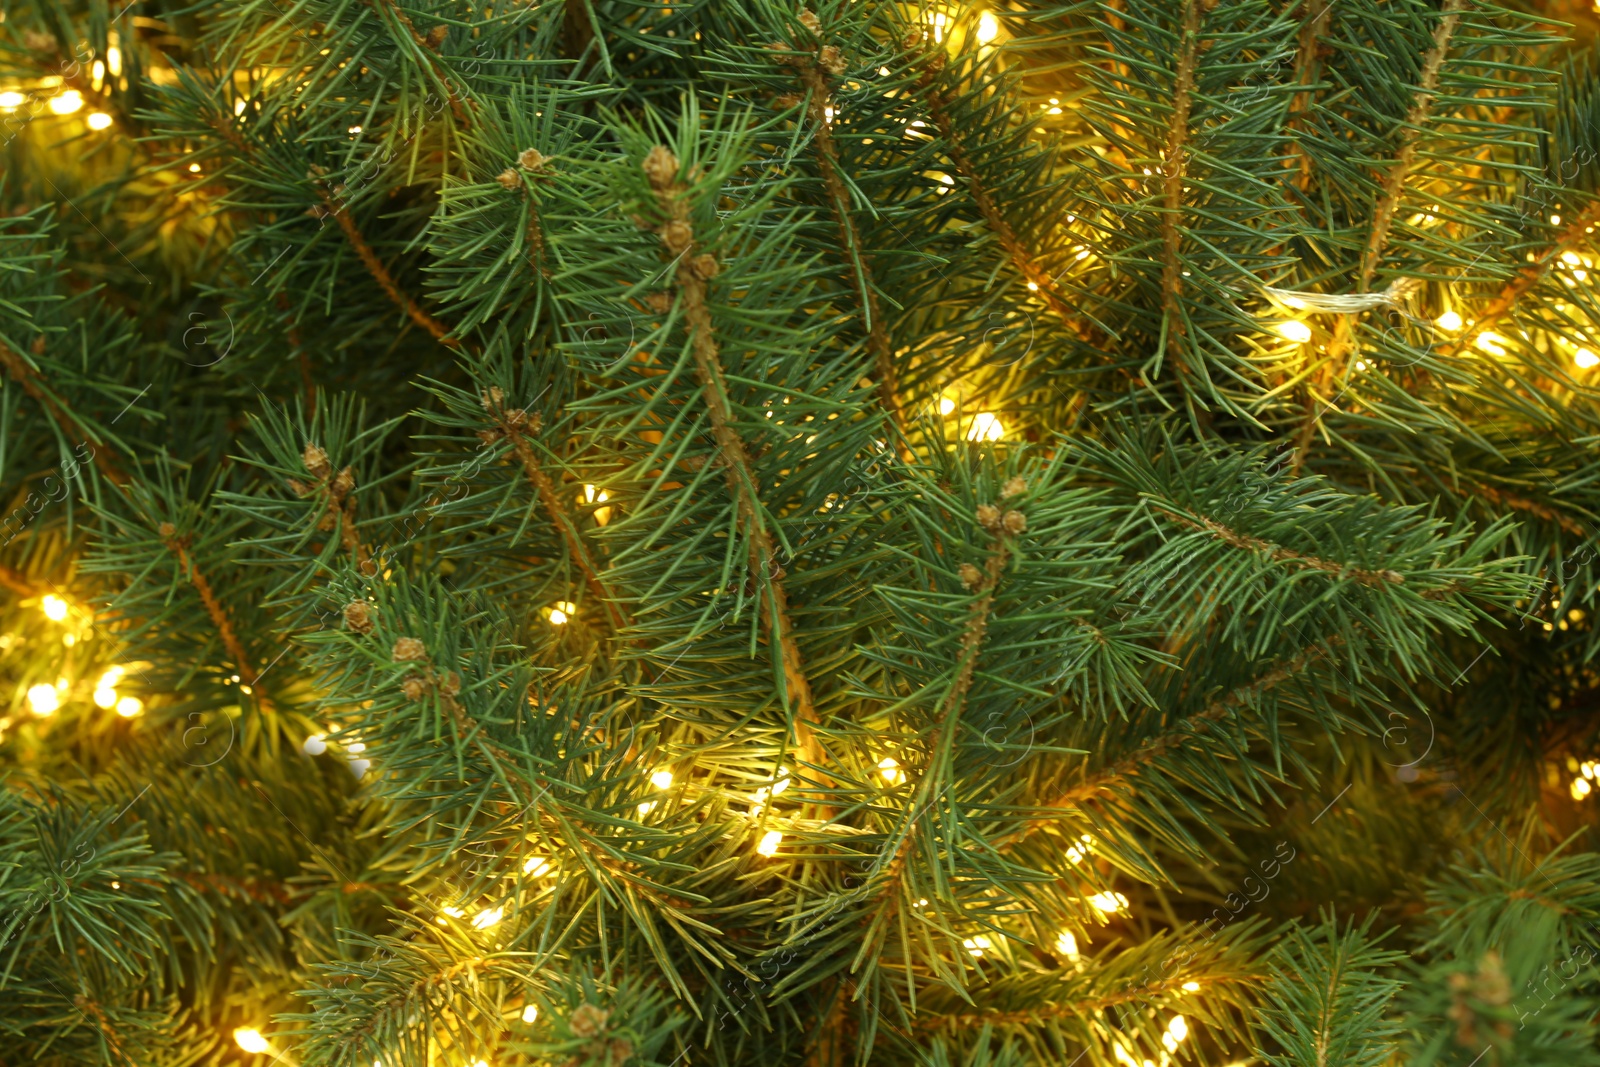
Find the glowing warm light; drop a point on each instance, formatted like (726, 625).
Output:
(1177, 1030)
(937, 22)
(194, 168)
(985, 427)
(97, 73)
(454, 913)
(1584, 358)
(488, 917)
(988, 28)
(54, 608)
(1555, 220)
(1067, 945)
(769, 843)
(1294, 330)
(890, 769)
(1491, 342)
(1108, 902)
(1588, 769)
(98, 120)
(1449, 321)
(250, 1039)
(315, 745)
(105, 698)
(114, 60)
(1580, 786)
(354, 129)
(661, 779)
(1077, 852)
(1191, 987)
(563, 611)
(946, 405)
(976, 945)
(647, 807)
(43, 699)
(1571, 259)
(66, 103)
(536, 867)
(12, 100)
(530, 1013)
(128, 707)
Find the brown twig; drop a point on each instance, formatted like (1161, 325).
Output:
(30, 379)
(381, 273)
(515, 425)
(1174, 169)
(690, 277)
(1394, 184)
(1279, 554)
(179, 546)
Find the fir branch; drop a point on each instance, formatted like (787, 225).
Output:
(878, 342)
(1279, 554)
(1174, 168)
(429, 44)
(1533, 507)
(1120, 774)
(1076, 1008)
(690, 275)
(27, 376)
(179, 547)
(381, 273)
(1526, 278)
(114, 1042)
(514, 425)
(1394, 184)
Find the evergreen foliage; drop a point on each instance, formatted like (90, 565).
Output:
(606, 533)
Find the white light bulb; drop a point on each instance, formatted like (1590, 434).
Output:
(985, 427)
(66, 103)
(315, 745)
(536, 866)
(988, 28)
(488, 917)
(1294, 330)
(1067, 945)
(128, 707)
(769, 843)
(250, 1039)
(105, 697)
(54, 608)
(530, 1013)
(661, 779)
(946, 405)
(1108, 902)
(43, 699)
(1584, 358)
(1449, 321)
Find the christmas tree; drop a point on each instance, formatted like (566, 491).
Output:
(608, 533)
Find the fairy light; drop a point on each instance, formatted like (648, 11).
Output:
(128, 707)
(985, 427)
(447, 911)
(43, 699)
(194, 168)
(563, 610)
(97, 73)
(647, 807)
(1449, 321)
(1077, 852)
(595, 495)
(536, 867)
(1555, 220)
(488, 917)
(1108, 902)
(1580, 786)
(889, 768)
(54, 608)
(354, 129)
(250, 1039)
(1177, 1030)
(530, 1013)
(976, 945)
(988, 28)
(1490, 342)
(661, 779)
(1294, 330)
(66, 103)
(98, 120)
(12, 100)
(1585, 358)
(1067, 945)
(946, 405)
(1588, 769)
(315, 745)
(114, 60)
(769, 843)
(1191, 987)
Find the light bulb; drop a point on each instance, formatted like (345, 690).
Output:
(769, 843)
(661, 779)
(1491, 342)
(647, 807)
(315, 745)
(110, 678)
(1584, 358)
(54, 608)
(946, 405)
(105, 698)
(487, 917)
(1580, 787)
(988, 28)
(1178, 1028)
(536, 867)
(250, 1039)
(98, 120)
(1108, 902)
(985, 427)
(780, 781)
(114, 60)
(43, 699)
(530, 1013)
(128, 707)
(976, 945)
(1294, 330)
(354, 129)
(563, 610)
(890, 769)
(1448, 321)
(66, 103)
(1588, 769)
(1191, 987)
(194, 168)
(10, 100)
(1067, 945)
(1555, 220)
